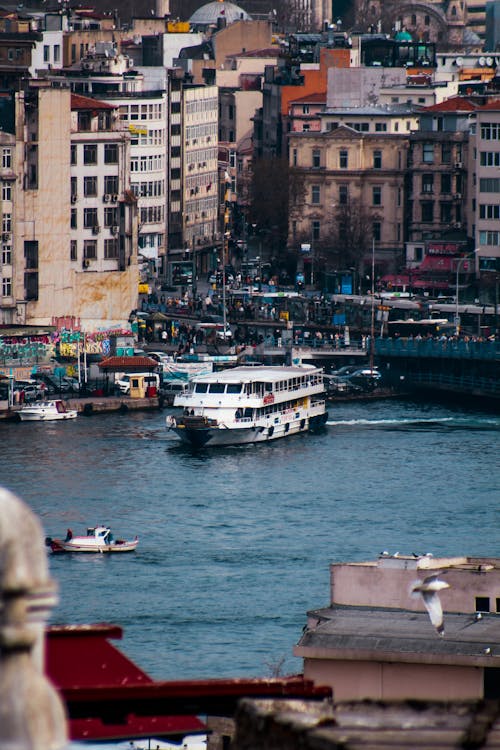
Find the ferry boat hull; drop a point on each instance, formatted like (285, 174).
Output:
(199, 436)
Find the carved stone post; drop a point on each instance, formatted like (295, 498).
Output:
(31, 713)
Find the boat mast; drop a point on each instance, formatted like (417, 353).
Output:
(225, 233)
(372, 330)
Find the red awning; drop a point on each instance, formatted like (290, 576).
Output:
(439, 263)
(429, 284)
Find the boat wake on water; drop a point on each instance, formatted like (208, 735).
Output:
(455, 423)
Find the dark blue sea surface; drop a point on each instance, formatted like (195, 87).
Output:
(235, 544)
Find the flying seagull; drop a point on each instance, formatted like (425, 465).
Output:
(429, 589)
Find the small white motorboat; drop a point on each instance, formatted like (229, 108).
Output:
(45, 411)
(98, 539)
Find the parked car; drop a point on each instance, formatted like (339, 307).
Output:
(366, 378)
(346, 370)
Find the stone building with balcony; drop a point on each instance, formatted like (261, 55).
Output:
(341, 168)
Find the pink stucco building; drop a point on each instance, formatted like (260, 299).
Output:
(375, 640)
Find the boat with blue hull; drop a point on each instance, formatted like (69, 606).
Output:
(246, 405)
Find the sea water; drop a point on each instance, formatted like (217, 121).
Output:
(235, 543)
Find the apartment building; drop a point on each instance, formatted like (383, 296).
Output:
(437, 184)
(483, 205)
(200, 106)
(142, 111)
(61, 258)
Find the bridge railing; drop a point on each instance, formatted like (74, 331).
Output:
(448, 349)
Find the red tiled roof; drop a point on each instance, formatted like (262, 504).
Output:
(316, 98)
(453, 104)
(491, 105)
(128, 364)
(86, 102)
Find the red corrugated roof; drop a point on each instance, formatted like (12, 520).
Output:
(86, 102)
(453, 104)
(81, 656)
(128, 364)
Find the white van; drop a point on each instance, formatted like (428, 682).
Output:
(172, 388)
(150, 379)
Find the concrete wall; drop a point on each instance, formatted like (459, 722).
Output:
(383, 681)
(374, 585)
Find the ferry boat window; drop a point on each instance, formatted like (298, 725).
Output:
(234, 388)
(217, 388)
(268, 387)
(201, 388)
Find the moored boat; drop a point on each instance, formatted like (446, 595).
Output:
(98, 539)
(46, 411)
(250, 405)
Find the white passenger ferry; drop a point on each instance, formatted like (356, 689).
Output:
(250, 405)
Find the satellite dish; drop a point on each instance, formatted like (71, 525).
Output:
(482, 61)
(489, 62)
(460, 61)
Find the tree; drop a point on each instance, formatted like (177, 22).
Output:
(274, 187)
(351, 233)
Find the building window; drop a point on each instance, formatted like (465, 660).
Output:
(343, 194)
(482, 604)
(315, 229)
(427, 208)
(90, 249)
(110, 217)
(90, 186)
(492, 239)
(74, 220)
(84, 121)
(305, 109)
(427, 183)
(376, 195)
(6, 287)
(111, 184)
(6, 191)
(377, 230)
(111, 153)
(6, 255)
(7, 223)
(377, 159)
(6, 158)
(316, 194)
(73, 155)
(316, 158)
(111, 249)
(73, 250)
(57, 53)
(90, 153)
(294, 157)
(89, 217)
(445, 213)
(46, 53)
(428, 153)
(446, 183)
(490, 131)
(343, 158)
(489, 158)
(446, 153)
(380, 127)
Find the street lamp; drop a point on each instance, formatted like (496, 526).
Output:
(459, 264)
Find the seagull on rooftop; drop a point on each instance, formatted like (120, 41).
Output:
(429, 589)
